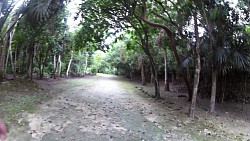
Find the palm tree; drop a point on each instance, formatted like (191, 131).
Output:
(226, 43)
(35, 11)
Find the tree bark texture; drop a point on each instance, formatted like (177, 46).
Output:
(213, 91)
(173, 46)
(197, 68)
(69, 65)
(143, 81)
(155, 74)
(86, 64)
(166, 83)
(2, 59)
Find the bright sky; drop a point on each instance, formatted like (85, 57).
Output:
(73, 9)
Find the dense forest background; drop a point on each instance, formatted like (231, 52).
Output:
(202, 44)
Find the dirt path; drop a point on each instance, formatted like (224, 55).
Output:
(109, 109)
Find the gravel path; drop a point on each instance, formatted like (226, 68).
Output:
(107, 110)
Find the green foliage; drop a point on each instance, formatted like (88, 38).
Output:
(247, 29)
(97, 62)
(49, 39)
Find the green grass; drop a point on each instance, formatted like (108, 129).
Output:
(126, 85)
(17, 96)
(70, 84)
(20, 95)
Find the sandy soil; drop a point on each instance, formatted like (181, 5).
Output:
(107, 108)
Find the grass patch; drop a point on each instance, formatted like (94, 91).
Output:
(19, 96)
(69, 84)
(126, 85)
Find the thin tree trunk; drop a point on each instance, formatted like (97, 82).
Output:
(79, 64)
(2, 59)
(32, 62)
(79, 68)
(151, 76)
(224, 83)
(70, 61)
(44, 60)
(244, 92)
(11, 55)
(7, 58)
(55, 66)
(54, 62)
(213, 91)
(145, 46)
(86, 64)
(154, 71)
(59, 66)
(131, 74)
(172, 43)
(40, 64)
(188, 74)
(173, 78)
(29, 56)
(203, 85)
(197, 68)
(143, 81)
(15, 59)
(166, 83)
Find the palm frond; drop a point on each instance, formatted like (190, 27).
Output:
(39, 11)
(240, 60)
(220, 56)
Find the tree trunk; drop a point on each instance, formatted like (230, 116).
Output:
(154, 72)
(173, 78)
(29, 61)
(156, 82)
(224, 83)
(166, 83)
(79, 64)
(70, 61)
(213, 91)
(40, 65)
(145, 46)
(244, 91)
(55, 66)
(7, 60)
(15, 59)
(59, 66)
(151, 76)
(2, 59)
(32, 61)
(86, 64)
(44, 60)
(131, 74)
(143, 81)
(9, 55)
(55, 62)
(173, 46)
(197, 68)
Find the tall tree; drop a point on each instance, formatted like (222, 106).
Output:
(171, 35)
(197, 66)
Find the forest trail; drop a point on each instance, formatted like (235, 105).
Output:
(106, 108)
